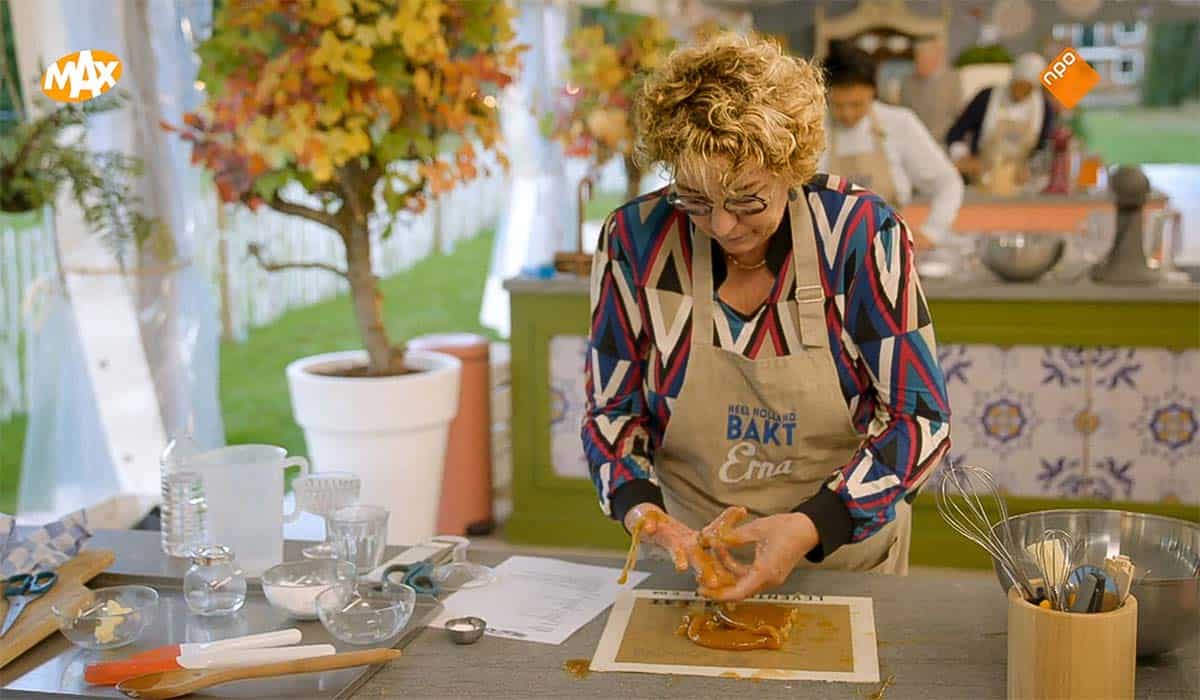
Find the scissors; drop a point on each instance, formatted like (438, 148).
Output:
(418, 576)
(20, 590)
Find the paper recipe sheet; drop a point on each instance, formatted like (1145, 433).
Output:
(534, 599)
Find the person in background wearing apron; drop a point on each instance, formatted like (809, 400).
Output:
(759, 336)
(1003, 122)
(886, 149)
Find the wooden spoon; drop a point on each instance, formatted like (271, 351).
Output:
(172, 684)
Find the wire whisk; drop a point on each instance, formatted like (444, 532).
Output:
(1055, 555)
(961, 500)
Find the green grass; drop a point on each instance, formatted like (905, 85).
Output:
(1144, 135)
(602, 204)
(12, 441)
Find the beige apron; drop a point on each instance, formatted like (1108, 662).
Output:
(766, 434)
(870, 169)
(1004, 152)
(1009, 139)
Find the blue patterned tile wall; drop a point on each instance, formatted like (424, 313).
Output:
(1118, 424)
(1069, 422)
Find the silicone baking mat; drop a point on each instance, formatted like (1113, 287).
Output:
(833, 639)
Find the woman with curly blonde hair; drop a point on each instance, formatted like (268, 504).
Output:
(760, 343)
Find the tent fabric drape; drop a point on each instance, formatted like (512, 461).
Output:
(542, 201)
(67, 462)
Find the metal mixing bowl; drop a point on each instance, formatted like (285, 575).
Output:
(1020, 257)
(1168, 598)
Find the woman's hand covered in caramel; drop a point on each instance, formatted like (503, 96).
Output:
(651, 523)
(714, 538)
(780, 543)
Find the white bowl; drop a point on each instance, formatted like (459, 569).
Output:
(293, 586)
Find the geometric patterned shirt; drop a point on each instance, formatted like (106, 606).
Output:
(880, 334)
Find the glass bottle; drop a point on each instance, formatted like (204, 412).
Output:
(214, 585)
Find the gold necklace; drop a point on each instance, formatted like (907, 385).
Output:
(740, 266)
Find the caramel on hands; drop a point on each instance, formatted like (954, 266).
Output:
(635, 538)
(710, 572)
(715, 541)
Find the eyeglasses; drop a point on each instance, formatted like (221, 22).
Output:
(748, 205)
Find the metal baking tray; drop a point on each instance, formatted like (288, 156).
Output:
(54, 668)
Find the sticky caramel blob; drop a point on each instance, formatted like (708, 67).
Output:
(740, 628)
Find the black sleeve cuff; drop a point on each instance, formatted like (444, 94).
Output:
(829, 513)
(631, 493)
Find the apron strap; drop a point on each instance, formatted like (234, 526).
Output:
(810, 295)
(702, 287)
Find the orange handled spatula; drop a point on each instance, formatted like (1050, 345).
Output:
(164, 658)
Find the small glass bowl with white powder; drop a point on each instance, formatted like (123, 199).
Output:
(293, 586)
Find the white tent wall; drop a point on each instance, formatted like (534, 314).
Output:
(541, 204)
(175, 301)
(107, 328)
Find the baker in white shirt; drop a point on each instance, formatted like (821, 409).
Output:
(884, 148)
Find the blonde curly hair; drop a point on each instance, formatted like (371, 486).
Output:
(740, 99)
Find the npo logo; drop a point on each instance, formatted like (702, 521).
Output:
(1069, 78)
(81, 76)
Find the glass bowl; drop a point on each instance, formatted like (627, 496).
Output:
(106, 618)
(365, 613)
(293, 586)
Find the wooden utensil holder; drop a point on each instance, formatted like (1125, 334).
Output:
(1081, 656)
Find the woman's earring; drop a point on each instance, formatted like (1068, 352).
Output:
(792, 194)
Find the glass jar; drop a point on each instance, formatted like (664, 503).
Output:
(214, 585)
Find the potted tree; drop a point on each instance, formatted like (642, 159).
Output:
(349, 113)
(607, 61)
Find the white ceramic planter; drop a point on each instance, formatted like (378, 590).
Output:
(391, 431)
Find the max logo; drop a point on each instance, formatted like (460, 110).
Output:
(1069, 78)
(81, 76)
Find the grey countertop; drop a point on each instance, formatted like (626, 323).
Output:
(984, 290)
(941, 635)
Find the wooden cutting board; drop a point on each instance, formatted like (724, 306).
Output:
(37, 621)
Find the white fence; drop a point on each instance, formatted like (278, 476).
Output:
(25, 255)
(254, 297)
